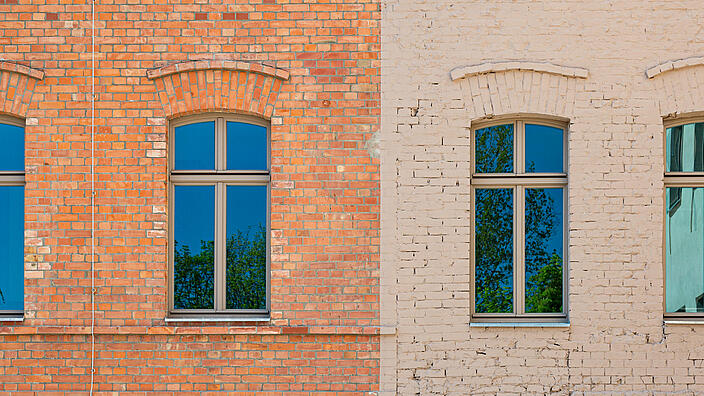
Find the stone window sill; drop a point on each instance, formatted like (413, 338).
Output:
(216, 319)
(11, 318)
(522, 324)
(684, 322)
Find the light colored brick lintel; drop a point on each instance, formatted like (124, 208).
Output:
(494, 67)
(194, 330)
(674, 65)
(217, 64)
(21, 69)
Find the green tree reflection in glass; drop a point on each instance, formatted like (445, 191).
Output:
(493, 250)
(494, 149)
(246, 269)
(246, 272)
(193, 274)
(494, 230)
(194, 259)
(543, 250)
(245, 247)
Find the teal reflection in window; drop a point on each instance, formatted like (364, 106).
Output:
(684, 250)
(544, 149)
(493, 250)
(543, 250)
(684, 148)
(494, 149)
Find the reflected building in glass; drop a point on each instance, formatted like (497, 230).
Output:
(684, 221)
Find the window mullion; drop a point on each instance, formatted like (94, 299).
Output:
(519, 135)
(220, 144)
(219, 280)
(519, 223)
(519, 262)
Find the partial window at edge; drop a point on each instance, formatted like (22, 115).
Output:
(11, 218)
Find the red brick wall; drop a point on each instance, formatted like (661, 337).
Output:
(323, 335)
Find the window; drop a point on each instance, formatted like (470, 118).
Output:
(684, 219)
(519, 192)
(219, 205)
(11, 217)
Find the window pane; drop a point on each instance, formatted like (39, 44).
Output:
(544, 149)
(246, 247)
(544, 259)
(493, 250)
(11, 148)
(194, 228)
(195, 146)
(684, 250)
(494, 149)
(246, 146)
(12, 248)
(685, 148)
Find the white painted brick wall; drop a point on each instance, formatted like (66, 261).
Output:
(617, 342)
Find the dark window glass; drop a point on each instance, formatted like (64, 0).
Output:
(195, 146)
(12, 145)
(684, 252)
(699, 147)
(12, 248)
(246, 247)
(544, 151)
(543, 250)
(494, 149)
(674, 149)
(194, 261)
(493, 250)
(246, 146)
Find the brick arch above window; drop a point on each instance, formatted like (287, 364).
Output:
(678, 86)
(218, 85)
(17, 83)
(519, 87)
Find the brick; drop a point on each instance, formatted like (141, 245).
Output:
(197, 57)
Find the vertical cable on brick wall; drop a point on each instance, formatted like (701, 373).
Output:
(92, 195)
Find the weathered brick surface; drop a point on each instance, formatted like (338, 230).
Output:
(312, 68)
(617, 342)
(190, 364)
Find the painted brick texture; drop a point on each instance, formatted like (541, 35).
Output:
(313, 70)
(617, 342)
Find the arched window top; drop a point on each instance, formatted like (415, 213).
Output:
(520, 145)
(220, 143)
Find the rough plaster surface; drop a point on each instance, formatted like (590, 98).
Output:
(617, 342)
